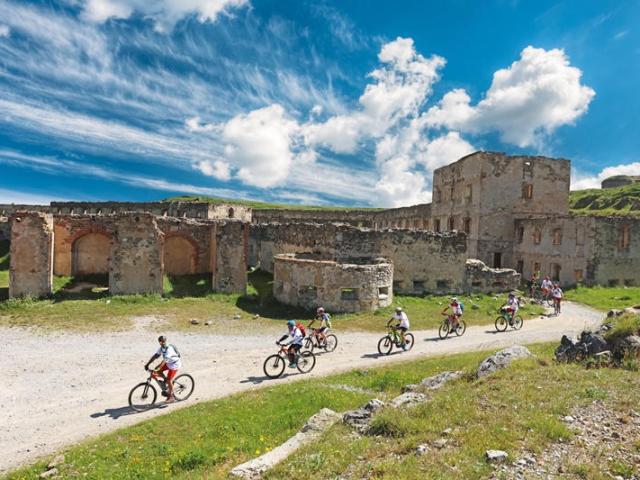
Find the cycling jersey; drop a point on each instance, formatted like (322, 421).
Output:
(456, 309)
(325, 320)
(402, 319)
(170, 356)
(546, 284)
(514, 304)
(295, 336)
(557, 293)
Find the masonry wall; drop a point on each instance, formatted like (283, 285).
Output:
(308, 282)
(136, 256)
(480, 278)
(423, 261)
(482, 194)
(229, 248)
(5, 228)
(31, 269)
(611, 262)
(187, 246)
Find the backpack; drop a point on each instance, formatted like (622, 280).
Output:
(303, 330)
(461, 306)
(328, 320)
(175, 348)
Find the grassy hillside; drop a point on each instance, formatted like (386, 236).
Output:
(519, 410)
(256, 205)
(606, 202)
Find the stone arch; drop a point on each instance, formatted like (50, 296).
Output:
(180, 254)
(90, 254)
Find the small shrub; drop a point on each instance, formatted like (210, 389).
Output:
(190, 461)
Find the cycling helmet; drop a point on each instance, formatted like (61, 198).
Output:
(320, 310)
(162, 338)
(454, 300)
(291, 323)
(511, 294)
(398, 309)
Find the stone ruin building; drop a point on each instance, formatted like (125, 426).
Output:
(493, 218)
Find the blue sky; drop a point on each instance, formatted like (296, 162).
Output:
(349, 102)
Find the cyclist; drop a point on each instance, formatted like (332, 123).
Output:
(533, 284)
(171, 363)
(557, 294)
(546, 286)
(402, 326)
(456, 313)
(295, 344)
(325, 324)
(512, 307)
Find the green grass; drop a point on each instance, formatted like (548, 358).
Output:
(256, 205)
(620, 201)
(605, 298)
(623, 326)
(188, 297)
(516, 409)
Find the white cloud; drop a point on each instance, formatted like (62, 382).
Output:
(581, 180)
(5, 31)
(259, 145)
(532, 98)
(164, 13)
(215, 168)
(444, 150)
(194, 124)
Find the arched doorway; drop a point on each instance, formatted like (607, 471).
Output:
(90, 254)
(179, 256)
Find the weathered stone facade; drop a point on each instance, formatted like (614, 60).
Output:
(480, 278)
(309, 281)
(31, 266)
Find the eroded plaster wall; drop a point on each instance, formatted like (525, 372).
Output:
(31, 267)
(229, 246)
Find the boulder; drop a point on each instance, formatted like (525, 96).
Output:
(57, 460)
(408, 399)
(496, 456)
(502, 359)
(627, 347)
(360, 418)
(433, 383)
(52, 472)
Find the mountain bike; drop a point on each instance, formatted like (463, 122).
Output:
(312, 341)
(275, 364)
(446, 327)
(143, 396)
(542, 298)
(386, 343)
(505, 319)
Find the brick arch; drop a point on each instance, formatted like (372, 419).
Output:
(180, 254)
(90, 253)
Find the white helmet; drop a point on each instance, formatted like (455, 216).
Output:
(398, 309)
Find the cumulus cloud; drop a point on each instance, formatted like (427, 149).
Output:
(581, 180)
(400, 86)
(444, 150)
(259, 145)
(215, 168)
(164, 13)
(530, 99)
(4, 30)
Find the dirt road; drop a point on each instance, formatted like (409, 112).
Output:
(61, 388)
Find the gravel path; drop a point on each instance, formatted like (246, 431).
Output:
(62, 388)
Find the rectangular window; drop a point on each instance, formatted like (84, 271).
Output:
(397, 285)
(467, 225)
(537, 236)
(536, 269)
(579, 275)
(442, 284)
(497, 260)
(629, 282)
(527, 191)
(383, 293)
(555, 269)
(418, 286)
(451, 224)
(520, 266)
(438, 195)
(527, 169)
(349, 294)
(468, 194)
(579, 235)
(520, 234)
(557, 236)
(436, 225)
(308, 292)
(613, 282)
(624, 237)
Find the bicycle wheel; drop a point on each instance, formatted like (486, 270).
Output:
(273, 366)
(142, 397)
(308, 344)
(517, 322)
(385, 345)
(501, 323)
(443, 331)
(306, 362)
(548, 301)
(330, 343)
(183, 386)
(409, 340)
(462, 327)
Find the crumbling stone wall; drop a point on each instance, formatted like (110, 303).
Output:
(589, 250)
(484, 192)
(356, 285)
(5, 228)
(71, 229)
(480, 278)
(229, 245)
(136, 256)
(423, 261)
(31, 267)
(187, 248)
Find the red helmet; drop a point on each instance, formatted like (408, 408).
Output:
(320, 310)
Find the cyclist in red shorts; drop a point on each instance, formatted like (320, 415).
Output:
(171, 363)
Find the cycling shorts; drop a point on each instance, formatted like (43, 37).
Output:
(402, 329)
(296, 347)
(323, 329)
(163, 367)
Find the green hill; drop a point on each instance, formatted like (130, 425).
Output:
(620, 201)
(256, 205)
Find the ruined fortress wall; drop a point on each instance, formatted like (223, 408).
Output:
(416, 217)
(229, 211)
(362, 218)
(481, 194)
(135, 265)
(480, 278)
(5, 228)
(31, 268)
(308, 282)
(423, 261)
(615, 251)
(92, 233)
(187, 246)
(229, 249)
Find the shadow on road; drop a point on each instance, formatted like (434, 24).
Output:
(255, 380)
(378, 355)
(116, 413)
(433, 339)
